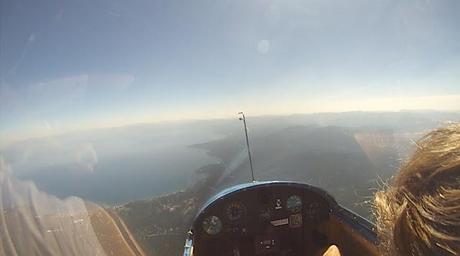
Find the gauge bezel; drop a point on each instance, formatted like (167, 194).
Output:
(209, 219)
(242, 211)
(298, 207)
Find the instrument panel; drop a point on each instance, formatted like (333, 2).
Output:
(273, 219)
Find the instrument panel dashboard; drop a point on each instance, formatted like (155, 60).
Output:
(261, 218)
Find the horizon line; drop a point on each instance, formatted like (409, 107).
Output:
(61, 132)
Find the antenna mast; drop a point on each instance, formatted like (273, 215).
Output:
(243, 118)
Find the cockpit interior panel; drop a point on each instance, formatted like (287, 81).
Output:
(275, 218)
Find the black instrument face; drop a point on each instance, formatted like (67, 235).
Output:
(294, 203)
(261, 220)
(235, 211)
(212, 225)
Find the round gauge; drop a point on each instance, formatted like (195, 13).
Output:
(212, 225)
(294, 203)
(235, 210)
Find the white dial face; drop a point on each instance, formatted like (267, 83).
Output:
(212, 225)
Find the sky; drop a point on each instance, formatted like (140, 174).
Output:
(68, 65)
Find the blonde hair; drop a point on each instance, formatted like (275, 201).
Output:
(419, 213)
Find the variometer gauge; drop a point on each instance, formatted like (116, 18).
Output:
(212, 225)
(294, 203)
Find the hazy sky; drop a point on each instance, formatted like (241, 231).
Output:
(72, 64)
